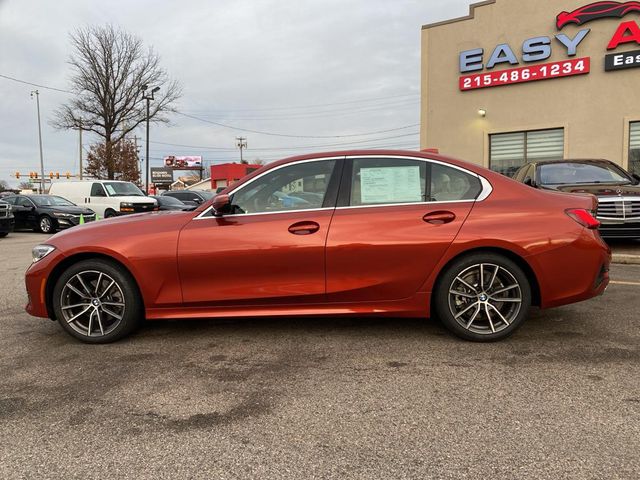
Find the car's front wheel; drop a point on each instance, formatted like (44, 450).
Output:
(97, 301)
(482, 297)
(46, 224)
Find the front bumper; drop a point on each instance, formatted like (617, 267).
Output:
(66, 222)
(620, 230)
(7, 224)
(35, 279)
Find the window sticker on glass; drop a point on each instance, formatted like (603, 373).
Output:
(110, 189)
(390, 185)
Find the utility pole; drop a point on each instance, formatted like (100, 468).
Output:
(241, 144)
(80, 150)
(37, 94)
(148, 98)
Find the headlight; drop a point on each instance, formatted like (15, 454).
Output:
(62, 215)
(41, 251)
(126, 207)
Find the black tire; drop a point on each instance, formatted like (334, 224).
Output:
(96, 275)
(476, 312)
(46, 224)
(3, 234)
(109, 213)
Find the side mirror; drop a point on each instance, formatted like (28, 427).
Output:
(221, 205)
(529, 181)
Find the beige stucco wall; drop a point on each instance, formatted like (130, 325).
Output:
(594, 109)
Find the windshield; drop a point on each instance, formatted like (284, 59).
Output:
(51, 201)
(207, 195)
(579, 173)
(122, 189)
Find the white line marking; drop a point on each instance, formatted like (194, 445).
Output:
(615, 282)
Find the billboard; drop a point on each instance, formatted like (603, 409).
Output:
(161, 175)
(193, 162)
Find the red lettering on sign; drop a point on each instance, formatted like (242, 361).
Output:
(628, 32)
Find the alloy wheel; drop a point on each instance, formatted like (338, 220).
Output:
(92, 303)
(45, 225)
(485, 298)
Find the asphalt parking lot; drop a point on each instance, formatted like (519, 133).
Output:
(322, 398)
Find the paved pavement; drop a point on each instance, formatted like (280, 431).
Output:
(625, 251)
(322, 398)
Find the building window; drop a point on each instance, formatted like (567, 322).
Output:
(509, 151)
(634, 147)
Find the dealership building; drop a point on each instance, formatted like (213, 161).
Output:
(517, 81)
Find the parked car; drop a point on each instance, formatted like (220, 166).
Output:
(190, 197)
(397, 233)
(6, 219)
(108, 198)
(618, 191)
(167, 202)
(47, 213)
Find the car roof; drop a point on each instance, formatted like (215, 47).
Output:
(472, 167)
(574, 160)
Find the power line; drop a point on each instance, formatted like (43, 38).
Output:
(319, 114)
(373, 99)
(273, 134)
(297, 147)
(35, 84)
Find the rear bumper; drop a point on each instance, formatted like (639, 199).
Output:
(575, 272)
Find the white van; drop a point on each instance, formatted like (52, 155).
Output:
(108, 198)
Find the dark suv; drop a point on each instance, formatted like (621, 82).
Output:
(617, 190)
(6, 219)
(190, 197)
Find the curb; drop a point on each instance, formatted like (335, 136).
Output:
(625, 259)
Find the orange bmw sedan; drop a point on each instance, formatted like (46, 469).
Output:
(361, 233)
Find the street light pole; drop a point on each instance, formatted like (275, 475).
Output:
(148, 98)
(80, 150)
(37, 94)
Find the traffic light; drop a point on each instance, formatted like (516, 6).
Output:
(58, 175)
(17, 174)
(30, 174)
(51, 175)
(68, 175)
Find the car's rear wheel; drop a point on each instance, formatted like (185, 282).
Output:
(97, 301)
(482, 297)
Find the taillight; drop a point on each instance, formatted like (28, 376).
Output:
(583, 217)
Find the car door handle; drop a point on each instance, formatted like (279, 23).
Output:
(304, 228)
(439, 217)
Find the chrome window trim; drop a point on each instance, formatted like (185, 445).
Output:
(205, 215)
(487, 188)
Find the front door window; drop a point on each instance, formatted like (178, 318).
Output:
(302, 186)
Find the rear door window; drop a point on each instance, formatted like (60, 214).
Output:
(389, 181)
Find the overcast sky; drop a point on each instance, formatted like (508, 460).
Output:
(270, 65)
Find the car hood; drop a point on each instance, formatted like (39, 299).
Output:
(599, 189)
(93, 233)
(72, 209)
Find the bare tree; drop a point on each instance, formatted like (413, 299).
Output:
(110, 68)
(25, 186)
